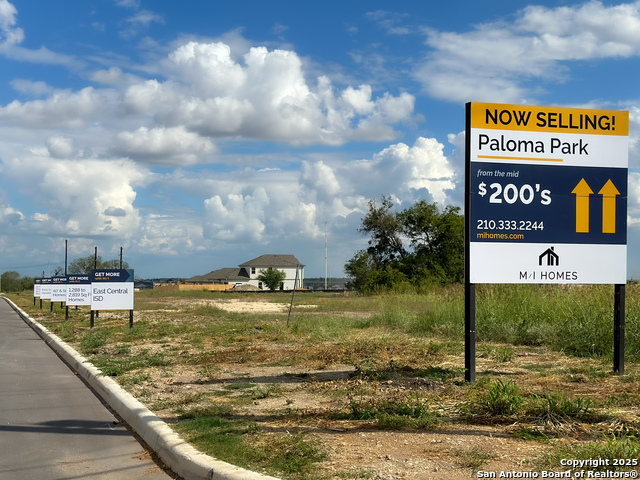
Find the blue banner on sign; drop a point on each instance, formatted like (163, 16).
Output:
(84, 279)
(112, 275)
(548, 204)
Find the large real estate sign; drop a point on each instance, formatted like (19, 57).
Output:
(112, 289)
(547, 194)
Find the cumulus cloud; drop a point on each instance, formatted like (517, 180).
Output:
(163, 146)
(321, 179)
(60, 147)
(421, 171)
(239, 218)
(497, 61)
(205, 97)
(295, 207)
(265, 97)
(92, 197)
(62, 109)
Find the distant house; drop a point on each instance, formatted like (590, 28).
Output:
(248, 272)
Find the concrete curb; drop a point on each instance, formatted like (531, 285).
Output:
(177, 454)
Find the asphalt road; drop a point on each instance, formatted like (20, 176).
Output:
(51, 425)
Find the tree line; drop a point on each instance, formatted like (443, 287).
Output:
(418, 246)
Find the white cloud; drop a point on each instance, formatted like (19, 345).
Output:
(265, 97)
(11, 36)
(8, 216)
(408, 173)
(634, 136)
(496, 61)
(114, 76)
(169, 235)
(205, 96)
(85, 198)
(163, 146)
(320, 178)
(60, 147)
(633, 200)
(9, 33)
(269, 205)
(62, 109)
(140, 20)
(135, 4)
(30, 87)
(240, 218)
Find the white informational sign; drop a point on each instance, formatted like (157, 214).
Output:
(59, 289)
(45, 288)
(112, 289)
(37, 286)
(547, 194)
(79, 290)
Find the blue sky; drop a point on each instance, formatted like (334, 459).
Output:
(199, 134)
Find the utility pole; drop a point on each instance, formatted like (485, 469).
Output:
(325, 255)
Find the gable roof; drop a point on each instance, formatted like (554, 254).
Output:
(273, 261)
(222, 274)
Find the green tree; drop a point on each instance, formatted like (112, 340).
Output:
(272, 278)
(360, 269)
(437, 239)
(422, 243)
(13, 282)
(385, 229)
(86, 264)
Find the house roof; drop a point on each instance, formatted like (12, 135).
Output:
(222, 274)
(273, 261)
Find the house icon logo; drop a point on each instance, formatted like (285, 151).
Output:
(551, 257)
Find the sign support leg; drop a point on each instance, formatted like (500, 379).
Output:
(130, 318)
(470, 332)
(618, 329)
(92, 318)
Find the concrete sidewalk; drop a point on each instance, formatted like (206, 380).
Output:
(177, 454)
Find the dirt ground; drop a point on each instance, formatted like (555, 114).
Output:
(453, 449)
(353, 446)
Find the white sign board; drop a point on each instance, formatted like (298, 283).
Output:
(547, 194)
(59, 289)
(79, 290)
(45, 289)
(112, 290)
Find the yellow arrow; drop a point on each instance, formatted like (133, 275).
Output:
(609, 192)
(582, 192)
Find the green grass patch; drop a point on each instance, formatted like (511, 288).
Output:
(617, 454)
(237, 442)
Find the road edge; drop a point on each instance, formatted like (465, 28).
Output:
(181, 457)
